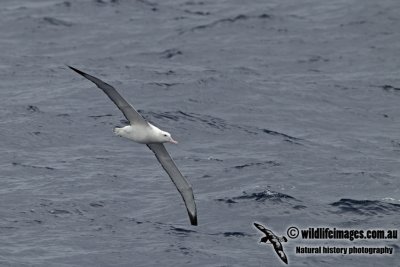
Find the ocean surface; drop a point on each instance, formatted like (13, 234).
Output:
(287, 113)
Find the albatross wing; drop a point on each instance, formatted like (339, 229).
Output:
(129, 112)
(177, 178)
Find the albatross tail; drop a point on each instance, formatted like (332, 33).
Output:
(117, 131)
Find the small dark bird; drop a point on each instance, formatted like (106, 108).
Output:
(274, 240)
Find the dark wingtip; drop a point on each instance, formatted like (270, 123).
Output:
(76, 70)
(258, 226)
(193, 219)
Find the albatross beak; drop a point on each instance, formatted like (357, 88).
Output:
(173, 141)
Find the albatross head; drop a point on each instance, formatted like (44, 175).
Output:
(166, 137)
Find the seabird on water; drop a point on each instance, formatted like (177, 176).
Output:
(144, 132)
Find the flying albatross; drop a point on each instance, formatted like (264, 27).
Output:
(144, 132)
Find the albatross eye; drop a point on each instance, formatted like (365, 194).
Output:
(165, 135)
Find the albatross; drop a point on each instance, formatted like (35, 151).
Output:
(141, 131)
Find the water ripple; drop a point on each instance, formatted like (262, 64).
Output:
(365, 207)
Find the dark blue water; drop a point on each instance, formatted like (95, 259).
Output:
(286, 112)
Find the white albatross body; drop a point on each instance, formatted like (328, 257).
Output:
(144, 132)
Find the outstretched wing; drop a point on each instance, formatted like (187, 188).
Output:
(177, 178)
(127, 109)
(281, 254)
(261, 228)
